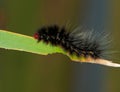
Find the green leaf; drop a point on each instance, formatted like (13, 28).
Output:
(15, 41)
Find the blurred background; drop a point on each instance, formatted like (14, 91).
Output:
(26, 72)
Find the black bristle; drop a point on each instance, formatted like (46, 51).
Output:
(80, 41)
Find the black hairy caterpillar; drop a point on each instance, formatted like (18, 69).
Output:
(80, 41)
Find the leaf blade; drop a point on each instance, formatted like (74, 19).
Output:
(15, 41)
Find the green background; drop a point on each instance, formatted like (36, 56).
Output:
(26, 72)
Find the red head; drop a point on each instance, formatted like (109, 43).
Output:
(36, 36)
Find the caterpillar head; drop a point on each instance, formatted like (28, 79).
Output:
(39, 34)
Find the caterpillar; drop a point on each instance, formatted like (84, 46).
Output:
(80, 41)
